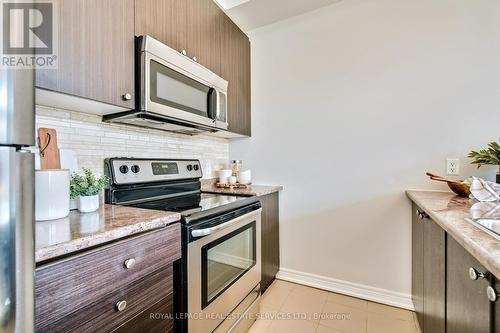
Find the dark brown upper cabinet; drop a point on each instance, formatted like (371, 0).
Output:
(189, 26)
(164, 20)
(206, 34)
(95, 51)
(205, 21)
(235, 68)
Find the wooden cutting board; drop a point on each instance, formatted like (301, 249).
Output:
(49, 151)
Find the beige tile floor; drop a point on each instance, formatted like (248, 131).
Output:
(294, 308)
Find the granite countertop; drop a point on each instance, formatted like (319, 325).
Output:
(450, 212)
(252, 190)
(79, 231)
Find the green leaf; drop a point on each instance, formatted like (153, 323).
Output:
(488, 156)
(87, 184)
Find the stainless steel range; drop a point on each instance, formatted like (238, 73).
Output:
(217, 281)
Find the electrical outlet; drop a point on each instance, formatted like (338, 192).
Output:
(452, 166)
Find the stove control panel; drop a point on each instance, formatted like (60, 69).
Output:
(131, 171)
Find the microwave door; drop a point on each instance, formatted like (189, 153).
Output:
(176, 95)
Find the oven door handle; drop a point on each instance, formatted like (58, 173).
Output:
(208, 231)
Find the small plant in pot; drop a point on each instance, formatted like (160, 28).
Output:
(488, 156)
(85, 189)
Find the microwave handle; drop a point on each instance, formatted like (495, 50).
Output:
(212, 106)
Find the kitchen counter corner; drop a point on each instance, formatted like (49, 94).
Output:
(450, 212)
(79, 231)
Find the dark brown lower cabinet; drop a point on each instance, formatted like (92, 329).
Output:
(125, 286)
(467, 306)
(156, 319)
(428, 272)
(496, 313)
(417, 274)
(270, 241)
(434, 278)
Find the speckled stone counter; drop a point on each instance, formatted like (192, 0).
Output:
(79, 231)
(450, 212)
(208, 186)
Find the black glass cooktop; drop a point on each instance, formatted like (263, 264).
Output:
(195, 203)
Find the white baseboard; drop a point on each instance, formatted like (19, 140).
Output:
(368, 293)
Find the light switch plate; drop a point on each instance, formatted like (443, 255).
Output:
(452, 166)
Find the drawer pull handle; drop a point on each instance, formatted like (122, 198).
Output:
(129, 263)
(121, 305)
(475, 275)
(492, 294)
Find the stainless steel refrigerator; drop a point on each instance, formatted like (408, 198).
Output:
(17, 173)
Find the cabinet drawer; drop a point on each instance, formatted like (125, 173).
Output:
(156, 319)
(74, 283)
(103, 315)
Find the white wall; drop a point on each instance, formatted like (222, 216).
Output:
(351, 104)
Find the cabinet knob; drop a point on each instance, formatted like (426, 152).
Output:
(121, 305)
(421, 215)
(184, 52)
(492, 294)
(475, 275)
(129, 263)
(195, 59)
(127, 97)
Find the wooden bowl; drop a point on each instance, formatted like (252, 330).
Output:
(460, 189)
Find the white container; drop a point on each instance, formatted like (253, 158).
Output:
(51, 194)
(88, 204)
(224, 175)
(245, 177)
(232, 180)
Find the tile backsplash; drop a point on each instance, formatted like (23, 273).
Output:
(93, 141)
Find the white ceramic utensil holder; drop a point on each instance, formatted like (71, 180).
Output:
(51, 194)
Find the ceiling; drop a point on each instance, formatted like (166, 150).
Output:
(252, 14)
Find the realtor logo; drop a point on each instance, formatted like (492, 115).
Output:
(28, 34)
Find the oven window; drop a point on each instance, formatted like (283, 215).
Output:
(173, 89)
(225, 260)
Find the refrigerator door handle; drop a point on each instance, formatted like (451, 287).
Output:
(25, 254)
(17, 262)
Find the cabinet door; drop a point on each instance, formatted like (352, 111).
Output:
(205, 21)
(434, 277)
(164, 20)
(417, 274)
(270, 241)
(467, 306)
(235, 68)
(95, 51)
(496, 306)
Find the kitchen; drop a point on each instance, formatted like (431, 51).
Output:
(199, 123)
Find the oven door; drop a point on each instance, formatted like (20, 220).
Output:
(170, 91)
(223, 268)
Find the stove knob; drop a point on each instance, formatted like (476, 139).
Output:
(189, 167)
(135, 168)
(196, 167)
(124, 169)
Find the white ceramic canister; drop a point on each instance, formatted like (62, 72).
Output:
(51, 194)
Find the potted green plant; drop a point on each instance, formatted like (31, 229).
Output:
(85, 189)
(487, 156)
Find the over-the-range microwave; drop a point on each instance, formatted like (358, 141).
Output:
(176, 93)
